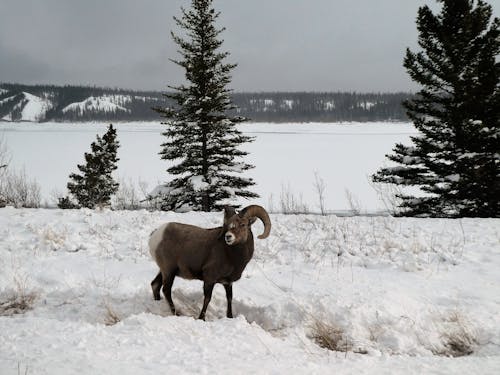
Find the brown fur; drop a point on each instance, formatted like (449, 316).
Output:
(192, 252)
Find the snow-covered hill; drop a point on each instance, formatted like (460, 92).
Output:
(85, 103)
(24, 107)
(395, 295)
(105, 103)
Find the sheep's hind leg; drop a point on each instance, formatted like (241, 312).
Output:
(156, 286)
(207, 291)
(168, 281)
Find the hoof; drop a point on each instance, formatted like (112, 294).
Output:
(176, 312)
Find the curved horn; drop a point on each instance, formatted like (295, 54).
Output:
(261, 213)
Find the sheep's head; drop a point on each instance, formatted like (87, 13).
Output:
(237, 225)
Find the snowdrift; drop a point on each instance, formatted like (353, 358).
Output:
(412, 295)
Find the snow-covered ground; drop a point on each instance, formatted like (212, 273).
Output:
(286, 157)
(400, 293)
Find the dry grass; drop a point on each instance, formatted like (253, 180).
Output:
(17, 304)
(111, 317)
(329, 336)
(20, 372)
(459, 337)
(19, 300)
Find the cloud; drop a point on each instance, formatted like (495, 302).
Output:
(312, 45)
(16, 66)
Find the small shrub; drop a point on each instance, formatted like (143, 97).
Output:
(155, 199)
(53, 239)
(389, 195)
(290, 203)
(354, 203)
(126, 197)
(66, 203)
(320, 187)
(18, 191)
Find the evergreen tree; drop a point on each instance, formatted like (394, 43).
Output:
(455, 158)
(201, 137)
(95, 185)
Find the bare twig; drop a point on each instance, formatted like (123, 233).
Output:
(320, 186)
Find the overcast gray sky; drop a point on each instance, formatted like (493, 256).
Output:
(295, 45)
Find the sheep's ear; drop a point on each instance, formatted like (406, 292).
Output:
(228, 213)
(252, 220)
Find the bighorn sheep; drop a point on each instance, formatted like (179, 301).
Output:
(216, 255)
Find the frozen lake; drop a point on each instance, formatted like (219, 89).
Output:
(284, 155)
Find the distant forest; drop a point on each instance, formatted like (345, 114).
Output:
(85, 103)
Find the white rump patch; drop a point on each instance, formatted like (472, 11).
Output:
(155, 239)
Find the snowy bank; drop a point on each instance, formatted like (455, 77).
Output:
(401, 294)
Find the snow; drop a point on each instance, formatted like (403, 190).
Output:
(159, 191)
(344, 155)
(8, 99)
(33, 108)
(198, 183)
(106, 103)
(453, 177)
(469, 155)
(410, 159)
(288, 103)
(144, 98)
(17, 106)
(367, 105)
(237, 167)
(329, 105)
(396, 288)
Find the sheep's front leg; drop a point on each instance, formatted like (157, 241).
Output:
(168, 281)
(207, 292)
(229, 296)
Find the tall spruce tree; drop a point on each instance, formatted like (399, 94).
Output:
(202, 139)
(94, 185)
(455, 158)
